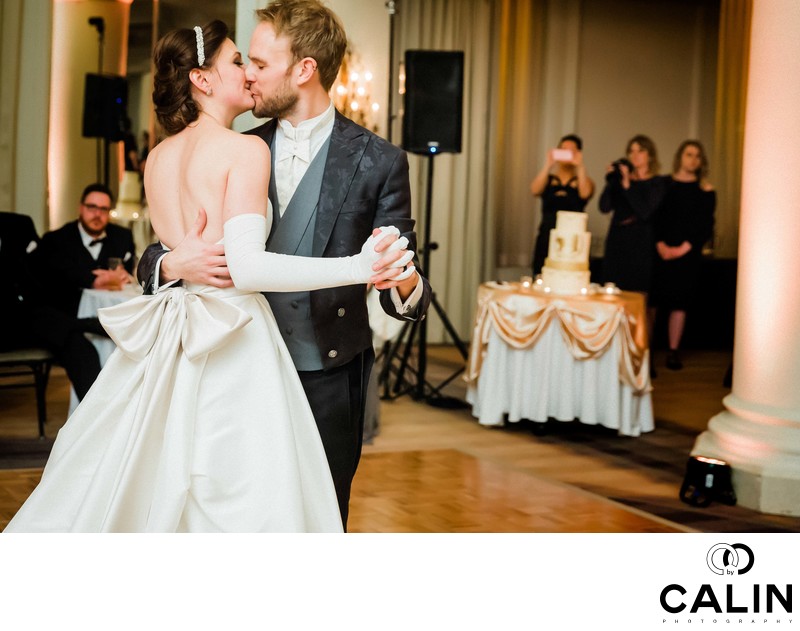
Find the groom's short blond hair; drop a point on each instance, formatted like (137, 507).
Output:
(313, 30)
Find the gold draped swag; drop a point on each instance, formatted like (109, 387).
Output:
(588, 326)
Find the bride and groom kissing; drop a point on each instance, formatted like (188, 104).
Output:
(224, 408)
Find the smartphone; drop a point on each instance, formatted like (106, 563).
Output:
(562, 155)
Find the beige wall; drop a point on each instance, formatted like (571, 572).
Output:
(644, 67)
(616, 68)
(367, 26)
(24, 103)
(72, 159)
(30, 195)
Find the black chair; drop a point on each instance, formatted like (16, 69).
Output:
(35, 362)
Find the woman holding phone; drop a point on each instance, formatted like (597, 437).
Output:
(563, 185)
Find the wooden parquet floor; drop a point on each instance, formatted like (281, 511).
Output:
(449, 491)
(437, 470)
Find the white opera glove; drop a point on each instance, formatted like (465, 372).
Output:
(400, 244)
(253, 269)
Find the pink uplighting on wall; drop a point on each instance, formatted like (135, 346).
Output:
(71, 158)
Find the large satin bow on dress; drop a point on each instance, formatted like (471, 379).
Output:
(207, 321)
(142, 482)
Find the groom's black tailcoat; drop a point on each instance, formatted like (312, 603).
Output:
(365, 185)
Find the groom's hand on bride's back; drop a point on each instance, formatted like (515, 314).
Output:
(195, 261)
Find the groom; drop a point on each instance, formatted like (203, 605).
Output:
(332, 183)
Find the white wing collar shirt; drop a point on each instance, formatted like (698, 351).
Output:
(295, 148)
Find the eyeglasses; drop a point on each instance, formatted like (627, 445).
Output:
(95, 208)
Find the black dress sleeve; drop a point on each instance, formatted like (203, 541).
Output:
(606, 203)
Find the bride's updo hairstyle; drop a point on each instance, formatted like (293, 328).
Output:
(174, 57)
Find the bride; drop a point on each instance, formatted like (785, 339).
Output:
(198, 422)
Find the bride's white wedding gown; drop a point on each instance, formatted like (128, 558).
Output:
(198, 422)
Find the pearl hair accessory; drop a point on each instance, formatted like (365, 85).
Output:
(201, 53)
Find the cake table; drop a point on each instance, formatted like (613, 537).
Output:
(540, 356)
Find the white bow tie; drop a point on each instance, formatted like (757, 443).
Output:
(293, 146)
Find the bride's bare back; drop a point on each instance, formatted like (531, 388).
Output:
(205, 166)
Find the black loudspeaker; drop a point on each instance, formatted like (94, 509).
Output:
(433, 101)
(105, 107)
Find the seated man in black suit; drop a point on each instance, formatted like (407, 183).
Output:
(76, 256)
(31, 322)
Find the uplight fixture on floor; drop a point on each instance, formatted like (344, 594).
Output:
(706, 480)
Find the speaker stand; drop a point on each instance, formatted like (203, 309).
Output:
(416, 334)
(99, 24)
(391, 7)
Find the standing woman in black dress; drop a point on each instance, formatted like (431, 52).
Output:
(684, 222)
(632, 193)
(568, 188)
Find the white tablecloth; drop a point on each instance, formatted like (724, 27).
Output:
(546, 381)
(522, 365)
(91, 301)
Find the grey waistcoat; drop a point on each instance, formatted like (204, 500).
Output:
(294, 234)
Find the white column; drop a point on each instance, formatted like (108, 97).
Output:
(759, 433)
(24, 48)
(71, 157)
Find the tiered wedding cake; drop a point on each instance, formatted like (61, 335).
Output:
(129, 202)
(566, 268)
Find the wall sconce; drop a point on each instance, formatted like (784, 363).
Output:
(352, 92)
(401, 79)
(706, 480)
